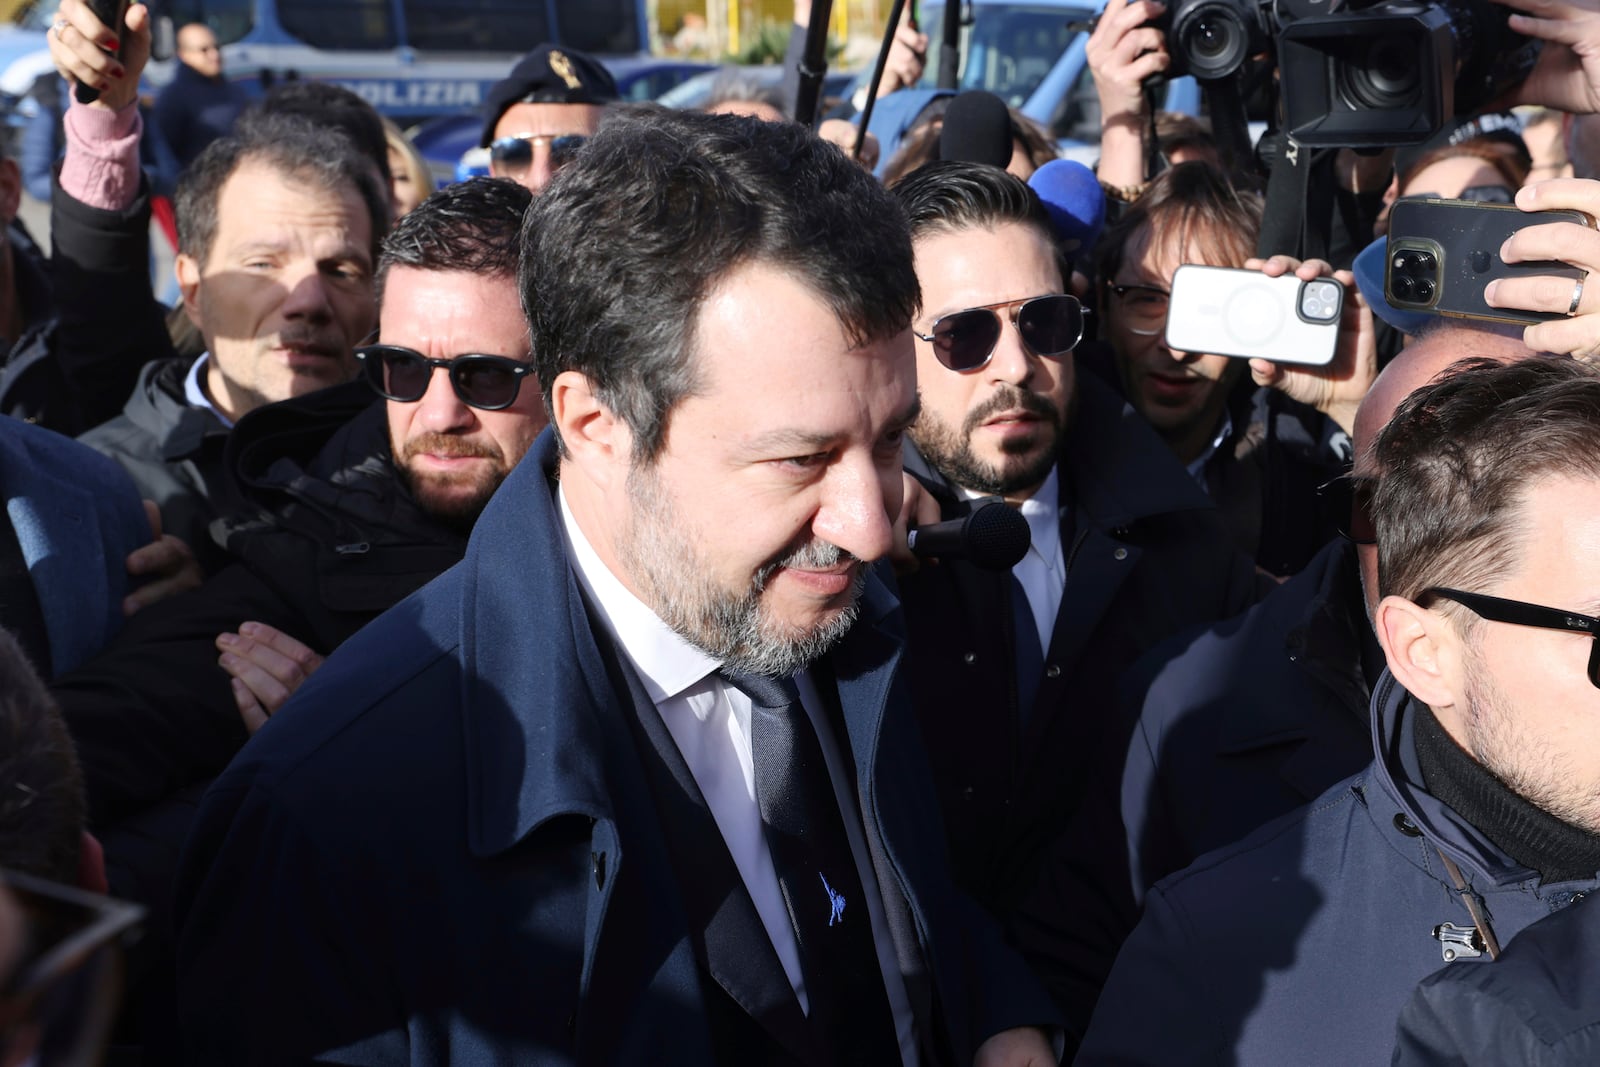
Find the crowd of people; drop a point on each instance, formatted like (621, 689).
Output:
(478, 625)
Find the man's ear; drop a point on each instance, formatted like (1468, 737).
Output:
(1423, 649)
(187, 270)
(596, 441)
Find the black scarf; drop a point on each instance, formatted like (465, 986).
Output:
(1557, 850)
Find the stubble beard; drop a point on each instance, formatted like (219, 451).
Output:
(1542, 776)
(732, 626)
(455, 500)
(949, 450)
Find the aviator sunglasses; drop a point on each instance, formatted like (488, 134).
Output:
(486, 382)
(514, 154)
(965, 340)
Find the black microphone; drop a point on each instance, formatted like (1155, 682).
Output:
(994, 536)
(977, 129)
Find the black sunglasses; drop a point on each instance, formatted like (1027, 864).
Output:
(1518, 613)
(403, 374)
(1348, 499)
(965, 340)
(515, 153)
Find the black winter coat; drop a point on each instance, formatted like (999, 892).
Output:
(333, 540)
(1232, 726)
(1146, 556)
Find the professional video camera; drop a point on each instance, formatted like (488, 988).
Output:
(1358, 75)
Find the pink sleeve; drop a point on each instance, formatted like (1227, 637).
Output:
(101, 168)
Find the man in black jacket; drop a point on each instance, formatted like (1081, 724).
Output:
(349, 504)
(278, 230)
(1014, 675)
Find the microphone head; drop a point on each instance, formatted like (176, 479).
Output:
(1073, 197)
(977, 129)
(996, 536)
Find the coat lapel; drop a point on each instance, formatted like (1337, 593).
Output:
(727, 934)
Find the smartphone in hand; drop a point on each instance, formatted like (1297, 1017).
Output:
(1443, 253)
(110, 13)
(1231, 312)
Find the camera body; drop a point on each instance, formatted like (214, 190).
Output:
(1442, 253)
(1358, 75)
(1230, 312)
(1212, 39)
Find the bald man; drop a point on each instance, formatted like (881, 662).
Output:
(1236, 724)
(199, 104)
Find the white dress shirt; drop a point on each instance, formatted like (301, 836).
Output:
(709, 721)
(1043, 571)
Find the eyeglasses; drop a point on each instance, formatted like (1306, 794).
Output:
(514, 154)
(1482, 194)
(1350, 498)
(1518, 613)
(59, 992)
(1144, 307)
(486, 382)
(1048, 325)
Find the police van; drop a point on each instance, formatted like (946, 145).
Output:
(410, 59)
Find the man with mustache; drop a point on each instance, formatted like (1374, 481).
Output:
(635, 782)
(1014, 674)
(348, 503)
(278, 228)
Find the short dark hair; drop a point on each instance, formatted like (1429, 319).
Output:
(1191, 202)
(732, 84)
(42, 807)
(329, 106)
(288, 144)
(623, 247)
(473, 226)
(947, 196)
(1457, 457)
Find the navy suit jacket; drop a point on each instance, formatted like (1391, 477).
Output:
(445, 848)
(77, 516)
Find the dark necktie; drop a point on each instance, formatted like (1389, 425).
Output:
(1029, 656)
(817, 873)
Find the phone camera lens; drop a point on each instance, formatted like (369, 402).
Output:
(1405, 288)
(1426, 262)
(1424, 290)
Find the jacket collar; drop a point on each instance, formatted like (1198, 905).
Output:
(158, 407)
(1398, 773)
(1114, 468)
(542, 722)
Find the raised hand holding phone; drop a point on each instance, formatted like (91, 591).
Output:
(90, 54)
(1574, 328)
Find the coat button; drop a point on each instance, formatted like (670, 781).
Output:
(969, 658)
(1120, 554)
(1053, 671)
(598, 859)
(1403, 823)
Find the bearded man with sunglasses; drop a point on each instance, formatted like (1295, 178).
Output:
(1014, 674)
(1480, 813)
(349, 503)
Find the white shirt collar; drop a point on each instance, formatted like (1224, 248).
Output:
(195, 393)
(1042, 509)
(667, 663)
